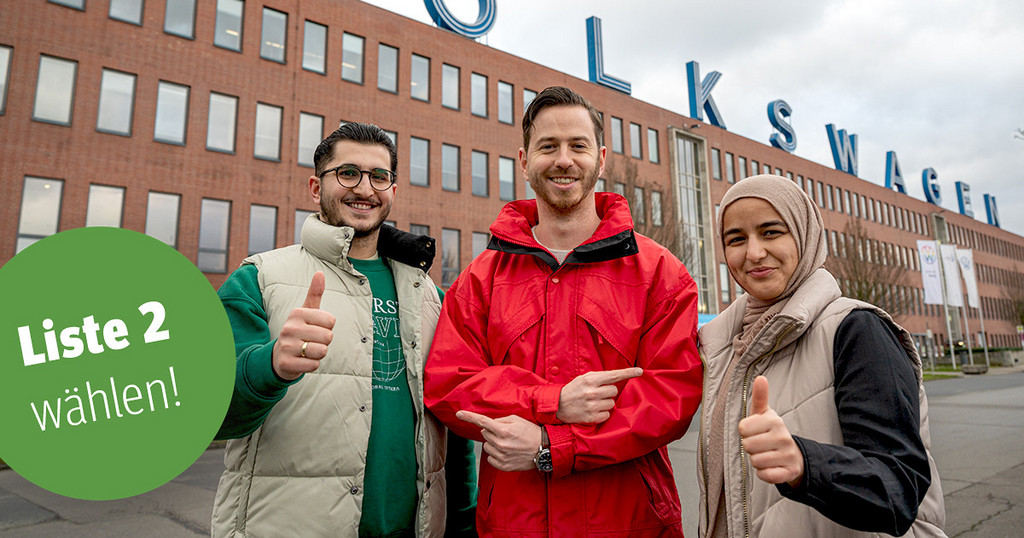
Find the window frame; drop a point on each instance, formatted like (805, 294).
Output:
(395, 53)
(263, 36)
(423, 61)
(505, 109)
(201, 249)
(172, 4)
(477, 82)
(22, 214)
(177, 215)
(131, 101)
(256, 131)
(156, 114)
(136, 22)
(218, 29)
(361, 68)
(305, 47)
(414, 149)
(448, 70)
(216, 123)
(299, 141)
(70, 99)
(89, 205)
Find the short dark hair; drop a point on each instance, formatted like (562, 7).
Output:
(559, 96)
(364, 133)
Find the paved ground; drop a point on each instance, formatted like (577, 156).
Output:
(977, 434)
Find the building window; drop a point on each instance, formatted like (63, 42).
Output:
(162, 217)
(638, 205)
(314, 47)
(171, 113)
(767, 169)
(450, 86)
(352, 58)
(40, 210)
(480, 241)
(691, 184)
(419, 229)
(528, 97)
(449, 167)
(716, 164)
(220, 129)
(616, 135)
(652, 145)
(619, 188)
(478, 94)
(5, 75)
(77, 4)
(599, 185)
(214, 222)
(275, 35)
(635, 149)
(228, 32)
(311, 133)
(180, 18)
(301, 215)
(730, 173)
(419, 78)
(449, 256)
(126, 10)
(723, 281)
(117, 103)
(106, 206)
(829, 200)
(267, 139)
(262, 228)
(656, 208)
(419, 161)
(504, 102)
(506, 179)
(479, 165)
(55, 90)
(387, 68)
(741, 168)
(821, 195)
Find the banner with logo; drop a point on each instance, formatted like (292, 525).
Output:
(966, 259)
(930, 276)
(951, 268)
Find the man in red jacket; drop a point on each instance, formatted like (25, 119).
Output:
(569, 348)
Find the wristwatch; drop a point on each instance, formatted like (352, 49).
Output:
(543, 457)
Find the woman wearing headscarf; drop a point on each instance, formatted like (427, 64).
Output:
(814, 417)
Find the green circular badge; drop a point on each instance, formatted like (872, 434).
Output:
(116, 363)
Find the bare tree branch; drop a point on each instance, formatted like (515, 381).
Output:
(866, 272)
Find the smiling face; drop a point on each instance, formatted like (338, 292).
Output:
(564, 159)
(760, 249)
(361, 208)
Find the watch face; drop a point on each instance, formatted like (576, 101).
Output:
(544, 461)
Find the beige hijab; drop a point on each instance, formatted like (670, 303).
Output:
(804, 221)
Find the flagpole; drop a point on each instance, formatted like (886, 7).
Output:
(945, 307)
(967, 335)
(981, 317)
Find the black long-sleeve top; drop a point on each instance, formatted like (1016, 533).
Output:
(876, 482)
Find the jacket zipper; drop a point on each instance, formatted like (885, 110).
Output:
(700, 450)
(743, 457)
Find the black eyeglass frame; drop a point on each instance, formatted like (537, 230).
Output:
(369, 174)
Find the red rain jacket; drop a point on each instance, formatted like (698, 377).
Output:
(516, 327)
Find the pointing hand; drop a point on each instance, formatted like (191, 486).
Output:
(589, 398)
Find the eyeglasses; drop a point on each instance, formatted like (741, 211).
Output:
(350, 175)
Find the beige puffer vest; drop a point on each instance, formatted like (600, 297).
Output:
(795, 352)
(301, 472)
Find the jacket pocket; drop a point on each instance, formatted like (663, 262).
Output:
(660, 493)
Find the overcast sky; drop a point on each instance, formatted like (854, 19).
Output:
(940, 82)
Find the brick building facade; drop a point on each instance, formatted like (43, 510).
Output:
(194, 121)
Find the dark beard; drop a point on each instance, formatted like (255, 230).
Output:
(330, 216)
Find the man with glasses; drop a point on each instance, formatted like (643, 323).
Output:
(327, 430)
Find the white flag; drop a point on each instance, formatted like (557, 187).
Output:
(966, 259)
(929, 256)
(951, 268)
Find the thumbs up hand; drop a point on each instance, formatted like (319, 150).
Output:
(305, 335)
(772, 451)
